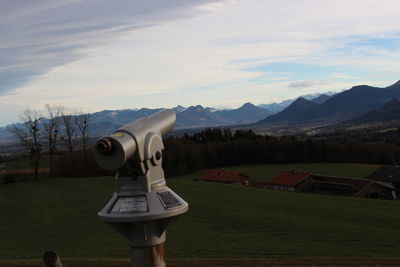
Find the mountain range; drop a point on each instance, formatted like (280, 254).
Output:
(293, 113)
(278, 107)
(193, 116)
(388, 112)
(343, 106)
(197, 116)
(361, 103)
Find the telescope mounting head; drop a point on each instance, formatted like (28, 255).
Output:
(135, 151)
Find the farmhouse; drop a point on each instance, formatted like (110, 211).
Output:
(290, 181)
(228, 177)
(314, 183)
(388, 174)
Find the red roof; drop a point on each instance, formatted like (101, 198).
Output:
(224, 176)
(289, 178)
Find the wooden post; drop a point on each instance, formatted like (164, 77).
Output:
(51, 259)
(148, 257)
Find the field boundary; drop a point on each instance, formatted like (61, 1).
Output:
(124, 262)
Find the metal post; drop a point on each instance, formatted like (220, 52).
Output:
(148, 257)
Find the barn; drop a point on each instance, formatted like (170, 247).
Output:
(388, 174)
(290, 181)
(223, 176)
(352, 187)
(321, 184)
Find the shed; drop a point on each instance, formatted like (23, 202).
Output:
(228, 177)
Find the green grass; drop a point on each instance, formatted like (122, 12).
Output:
(232, 221)
(224, 221)
(25, 163)
(263, 173)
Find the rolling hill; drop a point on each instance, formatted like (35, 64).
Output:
(276, 224)
(294, 113)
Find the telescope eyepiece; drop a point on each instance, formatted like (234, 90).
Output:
(158, 155)
(104, 146)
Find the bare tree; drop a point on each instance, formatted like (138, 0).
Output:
(51, 128)
(82, 124)
(69, 131)
(29, 136)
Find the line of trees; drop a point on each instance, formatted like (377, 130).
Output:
(214, 148)
(210, 148)
(58, 130)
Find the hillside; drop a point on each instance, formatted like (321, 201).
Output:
(298, 225)
(294, 113)
(388, 112)
(198, 116)
(321, 99)
(248, 113)
(350, 103)
(278, 107)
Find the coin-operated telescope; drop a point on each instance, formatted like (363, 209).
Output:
(142, 206)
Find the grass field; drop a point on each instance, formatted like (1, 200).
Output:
(25, 163)
(224, 222)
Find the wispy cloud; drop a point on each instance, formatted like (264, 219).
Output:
(37, 36)
(306, 84)
(105, 54)
(337, 75)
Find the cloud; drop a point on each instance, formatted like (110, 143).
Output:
(342, 76)
(37, 36)
(305, 84)
(99, 54)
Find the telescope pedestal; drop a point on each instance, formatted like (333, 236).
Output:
(148, 257)
(142, 206)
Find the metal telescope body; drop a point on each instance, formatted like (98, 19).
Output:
(142, 206)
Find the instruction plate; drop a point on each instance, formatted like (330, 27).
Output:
(130, 204)
(168, 200)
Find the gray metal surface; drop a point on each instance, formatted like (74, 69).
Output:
(130, 140)
(142, 207)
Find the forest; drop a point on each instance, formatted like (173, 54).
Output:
(215, 147)
(219, 148)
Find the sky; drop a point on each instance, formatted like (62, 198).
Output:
(98, 54)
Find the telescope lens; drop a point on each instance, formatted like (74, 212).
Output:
(158, 155)
(104, 146)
